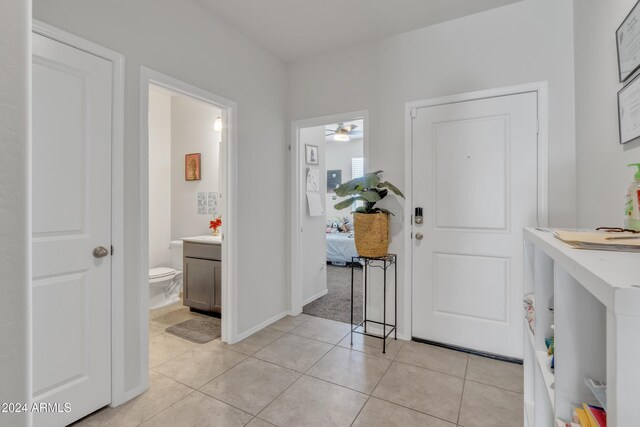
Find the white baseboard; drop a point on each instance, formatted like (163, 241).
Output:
(249, 332)
(315, 297)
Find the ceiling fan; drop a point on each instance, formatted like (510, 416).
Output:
(343, 133)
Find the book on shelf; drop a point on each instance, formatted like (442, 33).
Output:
(580, 417)
(597, 416)
(588, 416)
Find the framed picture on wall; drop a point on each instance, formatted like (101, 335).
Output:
(334, 179)
(629, 111)
(192, 167)
(311, 154)
(628, 44)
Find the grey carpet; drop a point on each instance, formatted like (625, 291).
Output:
(200, 330)
(336, 304)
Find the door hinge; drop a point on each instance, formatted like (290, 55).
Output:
(289, 147)
(111, 250)
(537, 125)
(413, 113)
(411, 235)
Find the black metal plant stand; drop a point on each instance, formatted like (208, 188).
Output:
(383, 263)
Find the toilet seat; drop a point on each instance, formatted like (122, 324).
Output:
(161, 274)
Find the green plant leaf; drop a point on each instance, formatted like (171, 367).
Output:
(371, 180)
(367, 188)
(392, 187)
(371, 196)
(347, 202)
(357, 185)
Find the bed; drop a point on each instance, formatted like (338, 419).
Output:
(340, 248)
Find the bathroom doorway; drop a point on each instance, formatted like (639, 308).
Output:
(187, 233)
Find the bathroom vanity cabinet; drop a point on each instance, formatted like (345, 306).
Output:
(202, 280)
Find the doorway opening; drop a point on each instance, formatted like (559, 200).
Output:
(328, 151)
(185, 135)
(187, 237)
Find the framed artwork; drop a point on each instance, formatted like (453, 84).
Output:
(628, 44)
(629, 111)
(311, 154)
(334, 179)
(192, 167)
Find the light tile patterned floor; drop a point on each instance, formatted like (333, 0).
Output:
(302, 372)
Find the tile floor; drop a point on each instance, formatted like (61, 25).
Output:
(302, 371)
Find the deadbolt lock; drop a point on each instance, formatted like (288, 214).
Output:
(418, 216)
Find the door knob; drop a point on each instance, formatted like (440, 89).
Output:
(100, 252)
(419, 236)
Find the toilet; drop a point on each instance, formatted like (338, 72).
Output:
(165, 283)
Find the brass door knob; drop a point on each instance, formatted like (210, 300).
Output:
(419, 236)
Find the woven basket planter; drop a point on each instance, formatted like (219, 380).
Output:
(371, 234)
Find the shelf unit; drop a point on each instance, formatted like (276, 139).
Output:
(596, 300)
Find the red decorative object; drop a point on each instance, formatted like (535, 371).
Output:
(215, 224)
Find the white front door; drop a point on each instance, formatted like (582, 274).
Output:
(475, 176)
(72, 93)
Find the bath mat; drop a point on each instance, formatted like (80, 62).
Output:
(199, 330)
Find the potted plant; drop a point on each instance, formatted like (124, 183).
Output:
(215, 225)
(371, 223)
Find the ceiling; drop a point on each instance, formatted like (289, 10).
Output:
(293, 29)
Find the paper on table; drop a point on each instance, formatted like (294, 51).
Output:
(598, 240)
(315, 204)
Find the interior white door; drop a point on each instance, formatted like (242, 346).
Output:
(72, 98)
(475, 176)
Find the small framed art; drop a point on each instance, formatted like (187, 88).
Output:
(311, 154)
(628, 44)
(629, 111)
(334, 179)
(192, 167)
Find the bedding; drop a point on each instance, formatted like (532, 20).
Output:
(340, 247)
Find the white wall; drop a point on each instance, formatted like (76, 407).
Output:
(15, 200)
(159, 179)
(601, 162)
(185, 41)
(313, 241)
(525, 42)
(192, 132)
(339, 155)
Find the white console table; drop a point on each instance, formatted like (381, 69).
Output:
(596, 299)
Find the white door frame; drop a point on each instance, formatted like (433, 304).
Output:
(117, 196)
(296, 168)
(229, 249)
(541, 88)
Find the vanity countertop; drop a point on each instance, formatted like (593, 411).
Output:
(207, 240)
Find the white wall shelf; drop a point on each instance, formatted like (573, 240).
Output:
(547, 376)
(596, 318)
